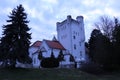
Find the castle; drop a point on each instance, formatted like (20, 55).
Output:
(71, 35)
(70, 40)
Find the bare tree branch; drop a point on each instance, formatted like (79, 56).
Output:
(105, 25)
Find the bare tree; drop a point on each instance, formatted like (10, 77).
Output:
(105, 25)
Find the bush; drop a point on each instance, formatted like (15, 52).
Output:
(49, 63)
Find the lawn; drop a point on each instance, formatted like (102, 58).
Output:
(54, 74)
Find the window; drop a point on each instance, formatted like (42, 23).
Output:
(80, 43)
(65, 27)
(34, 61)
(78, 33)
(73, 37)
(73, 32)
(81, 28)
(74, 46)
(80, 53)
(63, 36)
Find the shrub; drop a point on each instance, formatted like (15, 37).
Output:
(49, 62)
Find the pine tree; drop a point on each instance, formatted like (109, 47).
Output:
(99, 47)
(52, 55)
(72, 58)
(16, 39)
(92, 43)
(40, 55)
(116, 42)
(61, 56)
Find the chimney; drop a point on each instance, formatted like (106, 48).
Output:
(68, 18)
(58, 23)
(79, 18)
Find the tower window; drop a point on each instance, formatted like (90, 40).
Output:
(74, 46)
(80, 43)
(65, 27)
(78, 33)
(80, 53)
(73, 37)
(73, 32)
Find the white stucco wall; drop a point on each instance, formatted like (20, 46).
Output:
(64, 35)
(46, 53)
(71, 35)
(32, 50)
(36, 61)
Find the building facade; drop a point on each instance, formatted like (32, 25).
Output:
(46, 47)
(71, 40)
(71, 35)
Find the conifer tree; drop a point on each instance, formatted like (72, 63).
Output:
(40, 55)
(52, 55)
(116, 42)
(61, 56)
(99, 47)
(16, 38)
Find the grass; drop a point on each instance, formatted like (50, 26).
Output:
(54, 74)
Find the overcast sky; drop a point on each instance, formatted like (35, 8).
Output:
(43, 14)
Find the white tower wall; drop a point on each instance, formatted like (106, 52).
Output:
(71, 35)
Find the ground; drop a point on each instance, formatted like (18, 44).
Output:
(54, 74)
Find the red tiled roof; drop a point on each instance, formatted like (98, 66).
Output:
(54, 44)
(36, 44)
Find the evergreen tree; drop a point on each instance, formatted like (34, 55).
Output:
(99, 46)
(60, 56)
(1, 54)
(52, 55)
(92, 43)
(72, 58)
(116, 42)
(16, 39)
(40, 55)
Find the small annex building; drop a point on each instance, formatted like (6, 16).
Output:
(46, 47)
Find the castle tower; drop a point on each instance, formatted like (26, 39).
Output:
(71, 35)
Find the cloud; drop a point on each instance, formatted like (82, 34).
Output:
(50, 1)
(43, 14)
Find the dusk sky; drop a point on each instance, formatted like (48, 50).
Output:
(43, 14)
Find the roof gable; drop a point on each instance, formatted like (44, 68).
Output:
(36, 44)
(54, 45)
(43, 49)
